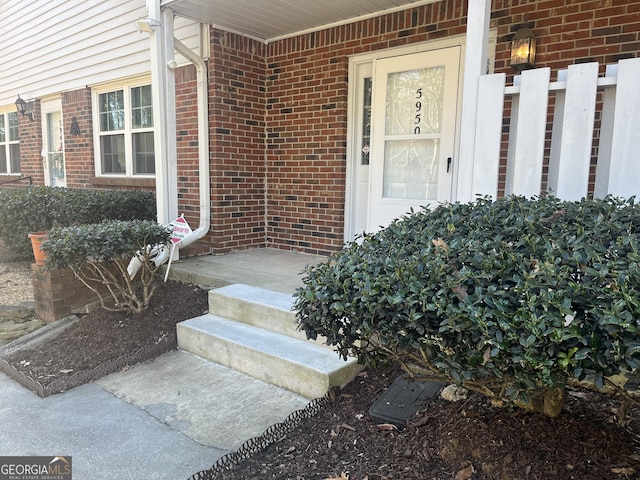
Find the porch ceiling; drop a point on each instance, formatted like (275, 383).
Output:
(269, 20)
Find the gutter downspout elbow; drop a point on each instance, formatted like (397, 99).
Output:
(203, 143)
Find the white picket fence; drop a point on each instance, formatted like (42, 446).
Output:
(572, 122)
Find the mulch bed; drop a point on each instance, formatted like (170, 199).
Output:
(469, 439)
(103, 342)
(465, 440)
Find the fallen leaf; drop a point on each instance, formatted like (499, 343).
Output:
(465, 473)
(386, 426)
(341, 477)
(623, 470)
(420, 422)
(440, 243)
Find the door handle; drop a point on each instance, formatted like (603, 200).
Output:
(449, 160)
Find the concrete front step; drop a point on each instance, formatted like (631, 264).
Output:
(258, 307)
(297, 365)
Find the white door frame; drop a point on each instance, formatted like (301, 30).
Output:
(357, 72)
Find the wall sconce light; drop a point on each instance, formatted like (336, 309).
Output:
(26, 109)
(146, 25)
(523, 49)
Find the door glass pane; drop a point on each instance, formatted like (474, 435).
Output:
(112, 154)
(3, 159)
(366, 122)
(414, 101)
(413, 121)
(3, 135)
(411, 169)
(55, 148)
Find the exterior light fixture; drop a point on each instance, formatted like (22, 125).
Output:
(26, 109)
(147, 25)
(523, 49)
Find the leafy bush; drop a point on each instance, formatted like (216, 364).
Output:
(513, 298)
(99, 255)
(34, 209)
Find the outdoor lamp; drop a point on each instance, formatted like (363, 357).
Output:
(24, 108)
(523, 49)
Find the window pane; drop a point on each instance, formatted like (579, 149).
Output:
(13, 127)
(14, 153)
(112, 153)
(111, 111)
(3, 135)
(141, 107)
(143, 153)
(3, 159)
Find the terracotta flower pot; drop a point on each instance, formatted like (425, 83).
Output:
(36, 242)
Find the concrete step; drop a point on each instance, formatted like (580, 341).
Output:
(258, 307)
(296, 365)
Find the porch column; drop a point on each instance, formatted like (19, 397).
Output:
(475, 65)
(164, 112)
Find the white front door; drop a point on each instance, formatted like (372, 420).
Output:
(403, 118)
(414, 110)
(53, 144)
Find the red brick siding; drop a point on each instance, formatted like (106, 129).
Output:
(78, 146)
(236, 112)
(30, 133)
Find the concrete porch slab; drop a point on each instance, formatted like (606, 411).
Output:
(276, 270)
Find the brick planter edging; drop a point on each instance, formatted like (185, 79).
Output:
(58, 293)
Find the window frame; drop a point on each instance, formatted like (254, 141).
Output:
(8, 142)
(128, 131)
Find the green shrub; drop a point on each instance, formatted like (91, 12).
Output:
(34, 209)
(99, 255)
(513, 298)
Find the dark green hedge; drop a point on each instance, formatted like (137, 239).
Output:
(33, 209)
(511, 296)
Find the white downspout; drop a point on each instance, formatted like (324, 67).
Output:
(203, 143)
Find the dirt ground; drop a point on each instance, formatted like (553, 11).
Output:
(461, 440)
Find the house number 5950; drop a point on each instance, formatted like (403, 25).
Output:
(418, 117)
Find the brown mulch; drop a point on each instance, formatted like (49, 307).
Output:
(102, 336)
(446, 440)
(469, 439)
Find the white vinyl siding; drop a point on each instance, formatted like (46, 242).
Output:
(53, 46)
(9, 143)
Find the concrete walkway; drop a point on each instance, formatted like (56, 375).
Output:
(165, 419)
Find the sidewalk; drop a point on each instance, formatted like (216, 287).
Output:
(164, 419)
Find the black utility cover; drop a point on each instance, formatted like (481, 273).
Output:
(402, 400)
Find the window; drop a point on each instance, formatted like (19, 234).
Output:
(125, 119)
(9, 143)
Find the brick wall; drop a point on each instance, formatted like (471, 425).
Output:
(30, 147)
(236, 112)
(78, 140)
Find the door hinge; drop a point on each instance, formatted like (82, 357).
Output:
(449, 160)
